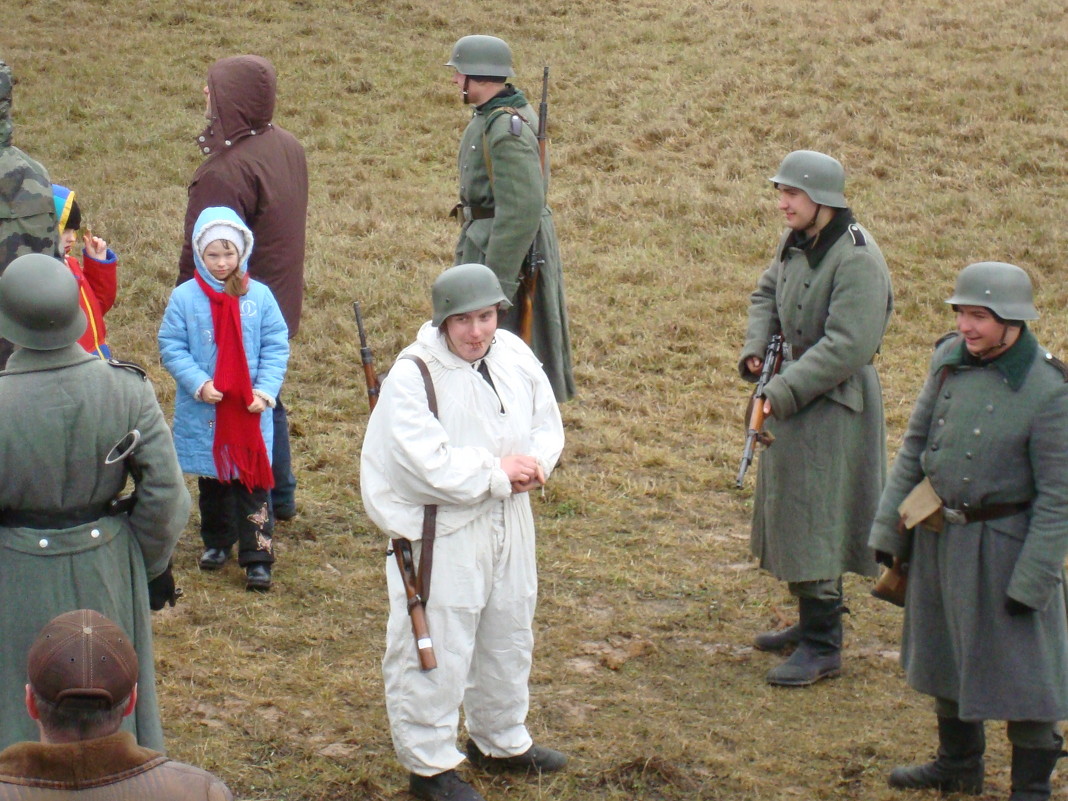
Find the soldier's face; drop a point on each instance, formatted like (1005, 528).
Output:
(470, 334)
(982, 331)
(797, 207)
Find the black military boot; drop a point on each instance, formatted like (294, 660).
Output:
(536, 759)
(819, 653)
(958, 767)
(1031, 771)
(445, 786)
(778, 640)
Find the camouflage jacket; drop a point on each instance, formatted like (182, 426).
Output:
(27, 214)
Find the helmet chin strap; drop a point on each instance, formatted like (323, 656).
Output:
(467, 79)
(1001, 343)
(812, 222)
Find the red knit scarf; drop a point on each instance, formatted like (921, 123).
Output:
(238, 449)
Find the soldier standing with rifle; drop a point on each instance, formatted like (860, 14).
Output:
(504, 173)
(468, 426)
(828, 293)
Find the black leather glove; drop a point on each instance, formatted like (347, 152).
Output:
(1015, 608)
(161, 590)
(884, 558)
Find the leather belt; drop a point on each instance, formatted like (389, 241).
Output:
(962, 517)
(468, 213)
(47, 519)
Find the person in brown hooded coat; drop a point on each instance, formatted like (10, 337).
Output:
(258, 169)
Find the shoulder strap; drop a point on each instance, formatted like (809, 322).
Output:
(131, 366)
(428, 383)
(430, 511)
(515, 130)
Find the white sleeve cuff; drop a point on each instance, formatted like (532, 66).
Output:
(266, 398)
(500, 486)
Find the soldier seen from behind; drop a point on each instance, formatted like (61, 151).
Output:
(75, 429)
(502, 209)
(828, 293)
(986, 627)
(27, 216)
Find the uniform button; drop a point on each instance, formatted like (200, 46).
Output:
(200, 139)
(228, 143)
(472, 147)
(965, 505)
(941, 421)
(966, 480)
(207, 149)
(990, 408)
(934, 447)
(976, 432)
(968, 455)
(807, 284)
(947, 396)
(94, 533)
(43, 542)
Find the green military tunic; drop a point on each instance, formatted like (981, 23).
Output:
(819, 483)
(987, 433)
(61, 412)
(503, 206)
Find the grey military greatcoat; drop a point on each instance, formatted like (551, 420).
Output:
(819, 482)
(502, 198)
(61, 413)
(985, 435)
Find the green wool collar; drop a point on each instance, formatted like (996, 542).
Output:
(1014, 363)
(509, 97)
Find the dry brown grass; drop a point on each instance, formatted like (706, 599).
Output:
(666, 120)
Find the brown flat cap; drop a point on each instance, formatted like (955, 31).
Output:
(84, 658)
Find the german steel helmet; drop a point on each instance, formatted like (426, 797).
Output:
(465, 288)
(482, 55)
(819, 176)
(39, 303)
(1003, 288)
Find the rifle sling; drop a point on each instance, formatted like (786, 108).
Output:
(430, 511)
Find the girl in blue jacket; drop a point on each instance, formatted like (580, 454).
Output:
(225, 342)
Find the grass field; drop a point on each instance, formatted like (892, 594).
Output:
(666, 120)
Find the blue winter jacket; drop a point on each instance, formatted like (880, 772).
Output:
(187, 348)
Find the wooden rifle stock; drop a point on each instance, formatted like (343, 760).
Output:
(529, 279)
(369, 375)
(892, 583)
(402, 549)
(755, 431)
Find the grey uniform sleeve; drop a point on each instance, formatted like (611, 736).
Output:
(163, 502)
